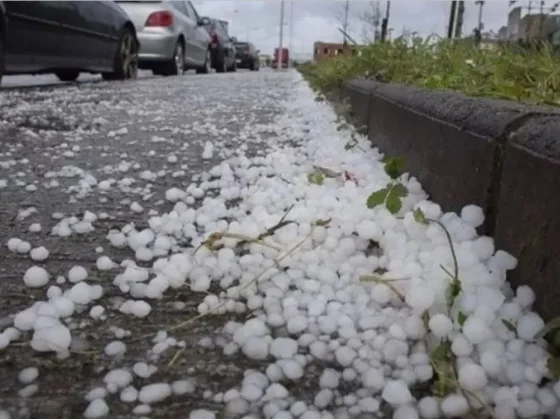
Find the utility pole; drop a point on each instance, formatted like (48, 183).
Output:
(290, 44)
(376, 22)
(345, 24)
(480, 4)
(280, 53)
(452, 15)
(460, 15)
(541, 21)
(385, 22)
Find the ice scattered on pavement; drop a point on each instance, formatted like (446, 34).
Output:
(295, 305)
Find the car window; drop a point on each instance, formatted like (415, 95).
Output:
(180, 6)
(191, 10)
(220, 29)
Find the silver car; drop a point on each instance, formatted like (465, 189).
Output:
(172, 36)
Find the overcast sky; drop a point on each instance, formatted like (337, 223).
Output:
(317, 20)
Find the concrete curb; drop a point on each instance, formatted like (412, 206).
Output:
(501, 155)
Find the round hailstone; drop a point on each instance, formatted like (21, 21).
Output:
(115, 348)
(77, 274)
(473, 215)
(13, 244)
(39, 254)
(529, 325)
(202, 414)
(104, 263)
(154, 393)
(27, 375)
(396, 393)
(440, 325)
(96, 409)
(472, 377)
(35, 228)
(36, 277)
(454, 405)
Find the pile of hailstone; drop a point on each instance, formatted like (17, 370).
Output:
(307, 301)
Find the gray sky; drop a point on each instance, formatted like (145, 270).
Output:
(317, 20)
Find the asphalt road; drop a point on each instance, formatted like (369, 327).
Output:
(99, 147)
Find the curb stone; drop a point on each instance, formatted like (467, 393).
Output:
(501, 155)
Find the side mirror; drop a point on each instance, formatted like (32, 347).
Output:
(233, 39)
(203, 21)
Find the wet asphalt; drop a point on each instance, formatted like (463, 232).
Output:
(58, 144)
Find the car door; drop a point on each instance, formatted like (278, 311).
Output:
(226, 42)
(33, 36)
(202, 38)
(187, 27)
(73, 40)
(93, 25)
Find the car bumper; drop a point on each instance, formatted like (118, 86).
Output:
(156, 46)
(244, 62)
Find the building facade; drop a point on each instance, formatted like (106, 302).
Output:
(326, 50)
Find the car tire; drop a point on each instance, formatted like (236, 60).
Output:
(68, 75)
(221, 65)
(176, 66)
(234, 66)
(1, 54)
(125, 66)
(207, 64)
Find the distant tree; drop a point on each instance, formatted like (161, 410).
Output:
(341, 11)
(370, 18)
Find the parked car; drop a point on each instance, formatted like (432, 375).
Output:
(67, 38)
(172, 36)
(221, 46)
(247, 56)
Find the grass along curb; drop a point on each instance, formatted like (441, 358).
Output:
(530, 76)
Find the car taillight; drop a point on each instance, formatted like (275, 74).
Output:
(162, 19)
(215, 39)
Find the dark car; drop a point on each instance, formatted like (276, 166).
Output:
(221, 47)
(67, 38)
(247, 56)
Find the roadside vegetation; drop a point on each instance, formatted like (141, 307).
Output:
(529, 75)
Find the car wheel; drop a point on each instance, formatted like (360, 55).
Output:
(68, 75)
(221, 65)
(176, 66)
(207, 64)
(125, 66)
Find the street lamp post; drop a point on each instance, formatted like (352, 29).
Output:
(281, 36)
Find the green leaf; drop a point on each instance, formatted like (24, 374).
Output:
(511, 327)
(552, 324)
(316, 178)
(394, 198)
(441, 359)
(420, 217)
(454, 291)
(462, 318)
(377, 198)
(553, 365)
(394, 166)
(349, 146)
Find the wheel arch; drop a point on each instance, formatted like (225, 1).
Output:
(130, 26)
(182, 40)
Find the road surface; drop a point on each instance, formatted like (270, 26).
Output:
(323, 308)
(97, 148)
